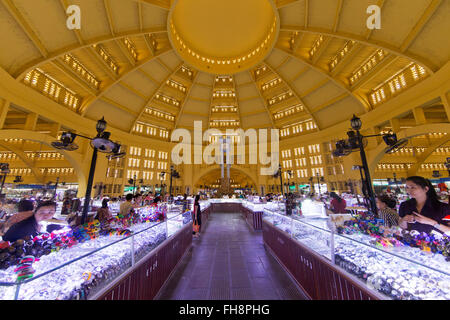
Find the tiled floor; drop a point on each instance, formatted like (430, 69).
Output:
(229, 262)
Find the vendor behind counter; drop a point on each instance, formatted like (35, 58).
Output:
(423, 212)
(31, 226)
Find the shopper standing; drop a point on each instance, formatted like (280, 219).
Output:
(289, 204)
(386, 206)
(423, 212)
(197, 216)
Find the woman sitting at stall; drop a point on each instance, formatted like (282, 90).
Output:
(24, 211)
(31, 226)
(337, 204)
(103, 213)
(386, 206)
(423, 212)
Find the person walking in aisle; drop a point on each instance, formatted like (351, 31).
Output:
(197, 217)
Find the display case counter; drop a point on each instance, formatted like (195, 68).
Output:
(346, 267)
(107, 267)
(252, 213)
(225, 205)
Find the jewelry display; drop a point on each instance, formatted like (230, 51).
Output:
(76, 264)
(399, 264)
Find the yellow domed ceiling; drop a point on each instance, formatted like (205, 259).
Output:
(223, 36)
(320, 65)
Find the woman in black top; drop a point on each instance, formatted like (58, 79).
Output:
(423, 212)
(30, 226)
(197, 215)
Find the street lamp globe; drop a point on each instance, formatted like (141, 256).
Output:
(101, 125)
(356, 123)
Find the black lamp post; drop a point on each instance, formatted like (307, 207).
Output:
(101, 143)
(319, 181)
(173, 174)
(133, 182)
(355, 142)
(290, 174)
(447, 165)
(56, 186)
(4, 169)
(162, 175)
(311, 184)
(280, 175)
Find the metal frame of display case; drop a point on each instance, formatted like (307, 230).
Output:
(320, 278)
(178, 242)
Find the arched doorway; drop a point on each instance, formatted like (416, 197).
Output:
(211, 175)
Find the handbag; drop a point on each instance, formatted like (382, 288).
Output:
(195, 227)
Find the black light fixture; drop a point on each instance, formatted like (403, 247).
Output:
(173, 174)
(66, 142)
(101, 125)
(436, 174)
(101, 143)
(18, 179)
(116, 152)
(356, 123)
(357, 142)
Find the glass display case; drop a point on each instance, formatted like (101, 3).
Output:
(402, 272)
(313, 209)
(204, 204)
(89, 267)
(253, 206)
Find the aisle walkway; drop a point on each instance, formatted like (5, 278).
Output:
(229, 262)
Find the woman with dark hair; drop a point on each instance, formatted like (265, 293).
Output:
(24, 211)
(423, 212)
(197, 215)
(31, 226)
(338, 205)
(386, 206)
(103, 213)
